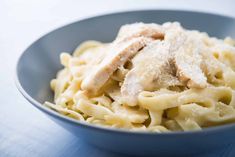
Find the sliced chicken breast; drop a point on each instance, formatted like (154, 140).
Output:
(118, 55)
(187, 57)
(140, 29)
(174, 61)
(152, 69)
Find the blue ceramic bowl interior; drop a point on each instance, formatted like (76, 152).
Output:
(40, 62)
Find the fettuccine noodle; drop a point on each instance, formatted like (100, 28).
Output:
(156, 78)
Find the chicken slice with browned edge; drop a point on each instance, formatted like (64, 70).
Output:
(119, 54)
(152, 69)
(174, 61)
(130, 40)
(151, 30)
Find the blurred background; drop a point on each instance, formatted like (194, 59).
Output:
(25, 131)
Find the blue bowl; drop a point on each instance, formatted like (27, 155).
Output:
(40, 62)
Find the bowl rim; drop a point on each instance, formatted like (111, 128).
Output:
(41, 107)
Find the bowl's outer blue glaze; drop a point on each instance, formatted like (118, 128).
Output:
(40, 62)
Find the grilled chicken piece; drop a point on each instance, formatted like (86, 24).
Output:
(119, 54)
(152, 69)
(140, 29)
(174, 61)
(130, 40)
(187, 57)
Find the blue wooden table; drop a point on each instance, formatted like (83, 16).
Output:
(25, 131)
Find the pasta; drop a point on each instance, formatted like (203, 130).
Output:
(155, 78)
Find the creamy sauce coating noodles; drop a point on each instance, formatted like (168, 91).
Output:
(156, 78)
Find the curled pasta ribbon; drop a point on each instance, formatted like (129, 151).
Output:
(92, 110)
(220, 68)
(72, 89)
(61, 83)
(103, 101)
(229, 78)
(67, 95)
(132, 114)
(95, 121)
(118, 121)
(65, 111)
(171, 124)
(162, 101)
(200, 106)
(65, 58)
(188, 124)
(157, 129)
(156, 117)
(187, 87)
(85, 46)
(152, 101)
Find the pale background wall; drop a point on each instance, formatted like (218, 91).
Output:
(24, 131)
